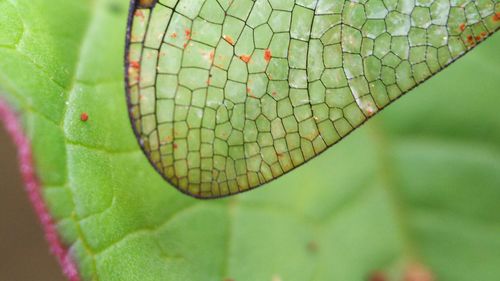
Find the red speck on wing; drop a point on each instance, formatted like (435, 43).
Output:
(268, 55)
(188, 34)
(135, 64)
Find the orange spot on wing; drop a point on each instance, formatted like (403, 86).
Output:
(134, 69)
(250, 94)
(228, 39)
(166, 140)
(496, 17)
(462, 26)
(268, 55)
(139, 14)
(188, 34)
(245, 58)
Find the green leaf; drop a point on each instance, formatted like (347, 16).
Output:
(417, 185)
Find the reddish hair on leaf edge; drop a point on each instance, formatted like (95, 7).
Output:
(33, 188)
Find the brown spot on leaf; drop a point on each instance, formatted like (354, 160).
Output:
(312, 247)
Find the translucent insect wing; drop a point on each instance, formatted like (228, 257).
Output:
(225, 96)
